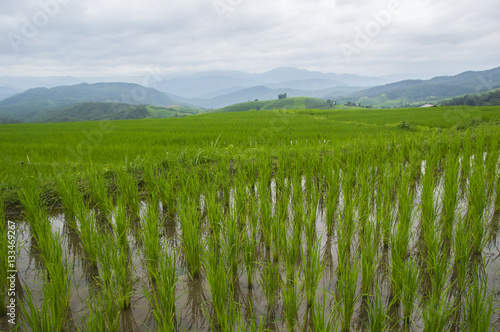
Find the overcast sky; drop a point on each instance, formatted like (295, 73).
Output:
(132, 37)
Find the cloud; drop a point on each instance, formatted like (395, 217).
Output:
(92, 37)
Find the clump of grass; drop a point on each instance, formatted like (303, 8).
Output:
(98, 191)
(377, 315)
(436, 312)
(103, 312)
(478, 305)
(128, 188)
(249, 246)
(346, 294)
(270, 282)
(4, 249)
(69, 194)
(48, 316)
(115, 270)
(292, 299)
(461, 251)
(450, 198)
(313, 271)
(332, 198)
(191, 240)
(88, 231)
(323, 319)
(221, 289)
(411, 278)
(369, 259)
(151, 236)
(162, 299)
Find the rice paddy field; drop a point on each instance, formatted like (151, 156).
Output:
(313, 220)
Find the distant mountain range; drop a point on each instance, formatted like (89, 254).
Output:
(218, 89)
(435, 89)
(35, 105)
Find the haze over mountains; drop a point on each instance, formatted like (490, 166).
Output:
(217, 89)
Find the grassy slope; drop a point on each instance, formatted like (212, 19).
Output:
(288, 103)
(112, 141)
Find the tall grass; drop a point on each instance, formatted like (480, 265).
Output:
(88, 231)
(162, 297)
(69, 194)
(221, 289)
(151, 237)
(313, 272)
(98, 191)
(191, 239)
(479, 305)
(346, 294)
(103, 311)
(4, 249)
(270, 282)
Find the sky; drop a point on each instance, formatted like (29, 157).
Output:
(131, 37)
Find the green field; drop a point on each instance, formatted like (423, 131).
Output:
(269, 105)
(339, 219)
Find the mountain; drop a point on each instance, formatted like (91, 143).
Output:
(410, 91)
(265, 93)
(7, 91)
(211, 84)
(35, 104)
(490, 98)
(309, 84)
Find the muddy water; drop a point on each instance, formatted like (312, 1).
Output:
(193, 303)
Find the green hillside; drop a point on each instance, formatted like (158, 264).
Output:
(37, 105)
(298, 103)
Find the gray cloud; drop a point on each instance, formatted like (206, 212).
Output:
(112, 37)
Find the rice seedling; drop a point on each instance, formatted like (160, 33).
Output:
(98, 191)
(323, 319)
(437, 260)
(5, 238)
(462, 251)
(88, 231)
(411, 278)
(436, 312)
(497, 195)
(346, 294)
(191, 239)
(292, 299)
(151, 237)
(115, 269)
(270, 282)
(377, 315)
(121, 225)
(103, 312)
(450, 196)
(251, 326)
(479, 305)
(333, 180)
(30, 196)
(369, 260)
(163, 297)
(221, 289)
(167, 189)
(292, 251)
(69, 194)
(265, 211)
(313, 271)
(345, 233)
(249, 245)
(128, 188)
(231, 243)
(429, 211)
(48, 316)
